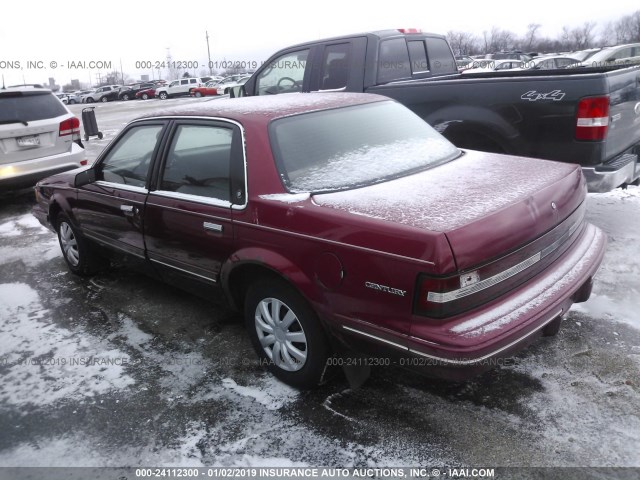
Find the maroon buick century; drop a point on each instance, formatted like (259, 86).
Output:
(338, 223)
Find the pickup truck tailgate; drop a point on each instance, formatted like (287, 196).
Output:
(624, 112)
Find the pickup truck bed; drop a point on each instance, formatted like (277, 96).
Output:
(588, 116)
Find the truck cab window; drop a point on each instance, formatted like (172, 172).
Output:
(394, 61)
(440, 56)
(285, 74)
(335, 66)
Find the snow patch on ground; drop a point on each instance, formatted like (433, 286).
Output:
(625, 309)
(45, 363)
(272, 393)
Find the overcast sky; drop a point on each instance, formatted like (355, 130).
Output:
(242, 30)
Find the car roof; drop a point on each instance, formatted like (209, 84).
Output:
(24, 88)
(266, 108)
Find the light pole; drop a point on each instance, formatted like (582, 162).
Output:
(209, 53)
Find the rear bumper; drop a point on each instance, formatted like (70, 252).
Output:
(26, 173)
(604, 178)
(480, 340)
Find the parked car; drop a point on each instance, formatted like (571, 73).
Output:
(180, 87)
(146, 93)
(64, 98)
(337, 222)
(207, 90)
(589, 118)
(129, 93)
(39, 136)
(234, 81)
(583, 55)
(101, 94)
(513, 55)
(463, 61)
(618, 55)
(551, 62)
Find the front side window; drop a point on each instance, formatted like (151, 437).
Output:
(128, 161)
(198, 162)
(285, 74)
(355, 146)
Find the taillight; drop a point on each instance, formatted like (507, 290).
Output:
(83, 162)
(427, 288)
(70, 126)
(592, 118)
(409, 30)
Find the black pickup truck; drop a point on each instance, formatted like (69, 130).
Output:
(588, 116)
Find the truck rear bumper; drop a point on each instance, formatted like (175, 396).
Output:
(602, 178)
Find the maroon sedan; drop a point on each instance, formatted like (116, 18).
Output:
(337, 223)
(146, 93)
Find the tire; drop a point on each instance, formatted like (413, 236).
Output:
(163, 95)
(89, 100)
(125, 97)
(145, 96)
(104, 99)
(297, 353)
(197, 94)
(72, 102)
(552, 328)
(79, 255)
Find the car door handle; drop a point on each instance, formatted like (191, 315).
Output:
(128, 210)
(214, 227)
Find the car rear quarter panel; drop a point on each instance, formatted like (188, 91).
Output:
(330, 256)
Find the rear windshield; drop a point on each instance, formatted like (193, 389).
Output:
(355, 146)
(29, 106)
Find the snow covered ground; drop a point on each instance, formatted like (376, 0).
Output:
(120, 370)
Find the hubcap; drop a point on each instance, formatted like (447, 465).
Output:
(281, 334)
(69, 244)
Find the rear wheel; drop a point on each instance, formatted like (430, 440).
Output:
(125, 97)
(198, 94)
(286, 333)
(79, 255)
(89, 100)
(104, 99)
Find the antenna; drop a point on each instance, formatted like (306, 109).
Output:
(3, 87)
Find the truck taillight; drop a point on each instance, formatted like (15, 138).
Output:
(409, 30)
(70, 126)
(592, 118)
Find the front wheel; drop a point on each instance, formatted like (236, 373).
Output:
(145, 96)
(163, 95)
(104, 99)
(286, 333)
(198, 94)
(78, 254)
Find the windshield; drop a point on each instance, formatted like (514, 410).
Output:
(355, 146)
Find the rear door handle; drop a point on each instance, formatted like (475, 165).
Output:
(214, 227)
(128, 210)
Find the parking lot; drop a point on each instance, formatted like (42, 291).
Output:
(121, 370)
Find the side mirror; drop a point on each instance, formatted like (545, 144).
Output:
(84, 178)
(236, 92)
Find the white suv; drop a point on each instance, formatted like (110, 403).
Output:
(182, 86)
(100, 94)
(39, 137)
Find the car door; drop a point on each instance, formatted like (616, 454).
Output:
(110, 210)
(188, 227)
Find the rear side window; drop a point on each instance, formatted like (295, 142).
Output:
(198, 162)
(418, 56)
(335, 66)
(394, 61)
(29, 106)
(440, 56)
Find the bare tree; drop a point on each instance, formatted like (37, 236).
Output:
(530, 36)
(498, 40)
(627, 29)
(462, 43)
